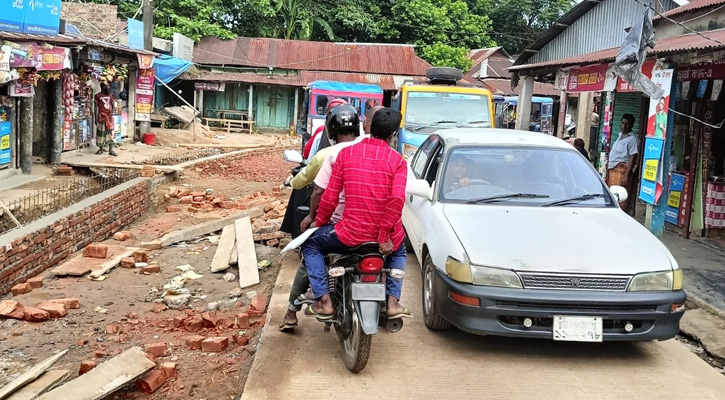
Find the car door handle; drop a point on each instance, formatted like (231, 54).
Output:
(411, 198)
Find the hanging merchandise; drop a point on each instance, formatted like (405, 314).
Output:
(109, 73)
(5, 125)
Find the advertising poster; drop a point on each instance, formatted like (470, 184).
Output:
(54, 59)
(144, 94)
(42, 17)
(117, 128)
(650, 189)
(674, 199)
(5, 58)
(12, 17)
(145, 61)
(19, 90)
(587, 79)
(135, 34)
(658, 108)
(5, 143)
(25, 56)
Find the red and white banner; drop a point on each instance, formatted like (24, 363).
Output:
(587, 79)
(647, 68)
(658, 108)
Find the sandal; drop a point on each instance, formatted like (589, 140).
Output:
(302, 299)
(404, 314)
(285, 327)
(99, 152)
(112, 153)
(312, 313)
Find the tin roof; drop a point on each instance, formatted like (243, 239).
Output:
(503, 87)
(300, 79)
(498, 61)
(675, 44)
(691, 6)
(25, 37)
(312, 56)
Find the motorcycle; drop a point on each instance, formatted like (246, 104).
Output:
(299, 197)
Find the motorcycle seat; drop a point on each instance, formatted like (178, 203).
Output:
(363, 249)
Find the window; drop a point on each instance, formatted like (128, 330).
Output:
(438, 110)
(422, 156)
(321, 104)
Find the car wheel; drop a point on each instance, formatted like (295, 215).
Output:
(433, 319)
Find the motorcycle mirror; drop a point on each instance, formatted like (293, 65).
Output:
(293, 156)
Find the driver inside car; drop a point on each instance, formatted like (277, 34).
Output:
(457, 174)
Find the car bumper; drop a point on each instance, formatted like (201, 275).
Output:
(502, 311)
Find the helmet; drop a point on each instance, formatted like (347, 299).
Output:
(342, 118)
(336, 102)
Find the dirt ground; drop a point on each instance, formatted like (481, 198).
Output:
(126, 309)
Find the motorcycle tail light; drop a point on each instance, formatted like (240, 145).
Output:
(368, 278)
(370, 265)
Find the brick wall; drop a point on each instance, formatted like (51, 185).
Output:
(58, 236)
(97, 21)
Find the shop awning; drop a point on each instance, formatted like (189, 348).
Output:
(167, 68)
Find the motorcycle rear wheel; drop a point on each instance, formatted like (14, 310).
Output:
(356, 347)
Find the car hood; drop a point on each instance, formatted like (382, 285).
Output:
(556, 239)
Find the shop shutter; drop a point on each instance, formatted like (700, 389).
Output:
(626, 103)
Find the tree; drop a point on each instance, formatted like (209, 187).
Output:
(443, 55)
(299, 18)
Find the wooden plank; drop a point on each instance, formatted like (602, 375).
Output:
(246, 255)
(220, 262)
(30, 375)
(207, 227)
(234, 256)
(83, 164)
(45, 382)
(80, 266)
(111, 264)
(105, 378)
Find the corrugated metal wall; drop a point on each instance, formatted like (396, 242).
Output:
(273, 106)
(234, 97)
(603, 27)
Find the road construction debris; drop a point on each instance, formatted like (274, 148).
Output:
(31, 374)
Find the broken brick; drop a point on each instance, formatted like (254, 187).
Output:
(268, 208)
(156, 349)
(55, 310)
(259, 303)
(178, 321)
(121, 236)
(197, 194)
(101, 353)
(228, 205)
(151, 269)
(150, 382)
(173, 209)
(194, 342)
(243, 321)
(183, 192)
(173, 191)
(21, 288)
(154, 245)
(35, 283)
(215, 344)
(273, 242)
(241, 340)
(186, 200)
(111, 329)
(86, 366)
(70, 303)
(198, 199)
(34, 314)
(128, 262)
(159, 308)
(141, 256)
(169, 369)
(96, 250)
(210, 320)
(11, 309)
(194, 324)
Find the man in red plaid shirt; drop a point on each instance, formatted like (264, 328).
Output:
(373, 176)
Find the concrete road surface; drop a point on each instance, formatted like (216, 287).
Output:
(420, 364)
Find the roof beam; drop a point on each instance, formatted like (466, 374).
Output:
(561, 25)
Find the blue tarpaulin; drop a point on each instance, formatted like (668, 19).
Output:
(168, 68)
(346, 87)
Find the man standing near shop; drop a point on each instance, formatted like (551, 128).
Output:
(104, 120)
(623, 158)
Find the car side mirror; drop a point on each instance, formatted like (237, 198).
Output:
(620, 193)
(292, 156)
(419, 188)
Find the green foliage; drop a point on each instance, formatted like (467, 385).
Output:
(520, 22)
(443, 55)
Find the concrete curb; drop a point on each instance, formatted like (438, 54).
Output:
(700, 303)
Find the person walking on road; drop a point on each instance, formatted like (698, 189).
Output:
(104, 120)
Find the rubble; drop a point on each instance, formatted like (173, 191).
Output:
(35, 283)
(194, 342)
(21, 288)
(86, 366)
(215, 344)
(156, 350)
(11, 309)
(33, 314)
(150, 382)
(229, 277)
(55, 310)
(169, 369)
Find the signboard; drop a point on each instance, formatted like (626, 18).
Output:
(562, 79)
(210, 86)
(587, 79)
(144, 94)
(658, 108)
(145, 61)
(19, 90)
(135, 34)
(674, 198)
(5, 143)
(5, 58)
(42, 17)
(183, 47)
(702, 70)
(54, 59)
(623, 86)
(95, 55)
(12, 17)
(26, 55)
(650, 190)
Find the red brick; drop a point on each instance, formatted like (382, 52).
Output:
(150, 382)
(112, 329)
(259, 303)
(243, 321)
(186, 200)
(242, 206)
(141, 256)
(55, 310)
(21, 288)
(228, 205)
(120, 236)
(276, 189)
(210, 320)
(173, 209)
(151, 269)
(268, 208)
(173, 191)
(128, 262)
(11, 309)
(86, 366)
(194, 342)
(35, 283)
(70, 303)
(197, 194)
(101, 353)
(183, 192)
(96, 250)
(169, 369)
(215, 344)
(156, 349)
(198, 199)
(178, 321)
(194, 324)
(241, 340)
(272, 243)
(33, 314)
(155, 245)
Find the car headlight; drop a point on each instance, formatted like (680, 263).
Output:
(656, 281)
(409, 150)
(483, 276)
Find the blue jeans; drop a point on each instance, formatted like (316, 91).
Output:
(325, 241)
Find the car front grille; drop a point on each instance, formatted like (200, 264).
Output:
(575, 282)
(553, 307)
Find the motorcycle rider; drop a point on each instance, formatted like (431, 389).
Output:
(342, 125)
(373, 176)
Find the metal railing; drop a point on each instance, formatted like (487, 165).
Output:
(44, 202)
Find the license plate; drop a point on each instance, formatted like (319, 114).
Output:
(368, 291)
(577, 329)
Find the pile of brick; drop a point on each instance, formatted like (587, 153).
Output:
(51, 309)
(265, 229)
(65, 170)
(148, 171)
(197, 201)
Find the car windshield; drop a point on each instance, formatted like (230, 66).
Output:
(531, 176)
(426, 112)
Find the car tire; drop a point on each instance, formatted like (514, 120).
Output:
(444, 74)
(432, 318)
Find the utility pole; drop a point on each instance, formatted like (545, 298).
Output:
(148, 38)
